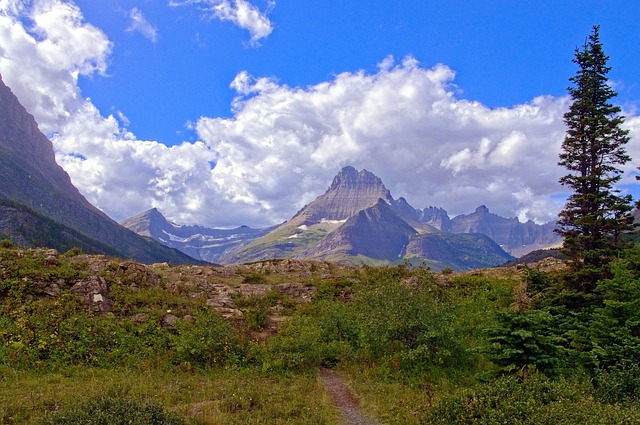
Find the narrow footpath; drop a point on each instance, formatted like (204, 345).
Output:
(343, 398)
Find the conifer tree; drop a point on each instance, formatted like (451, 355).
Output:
(596, 214)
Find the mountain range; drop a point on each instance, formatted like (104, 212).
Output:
(39, 206)
(358, 221)
(355, 221)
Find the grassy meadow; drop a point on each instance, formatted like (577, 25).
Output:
(503, 345)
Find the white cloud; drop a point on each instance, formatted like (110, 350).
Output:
(140, 24)
(283, 145)
(240, 12)
(45, 47)
(403, 123)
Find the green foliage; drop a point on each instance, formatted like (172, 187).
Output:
(536, 401)
(524, 338)
(536, 280)
(397, 319)
(209, 341)
(114, 411)
(254, 279)
(6, 242)
(615, 324)
(73, 252)
(618, 384)
(256, 318)
(596, 215)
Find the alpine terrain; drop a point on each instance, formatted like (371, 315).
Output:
(358, 221)
(39, 206)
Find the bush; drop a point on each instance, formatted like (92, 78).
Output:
(208, 341)
(618, 385)
(114, 411)
(534, 402)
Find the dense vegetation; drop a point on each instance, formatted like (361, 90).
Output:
(418, 347)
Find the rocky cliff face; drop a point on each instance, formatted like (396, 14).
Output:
(31, 179)
(514, 237)
(350, 192)
(436, 217)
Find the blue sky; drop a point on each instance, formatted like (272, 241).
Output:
(504, 52)
(230, 112)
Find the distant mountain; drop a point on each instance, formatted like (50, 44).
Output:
(199, 242)
(376, 232)
(513, 236)
(357, 221)
(350, 192)
(40, 205)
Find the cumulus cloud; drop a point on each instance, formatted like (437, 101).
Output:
(45, 47)
(240, 12)
(406, 123)
(138, 23)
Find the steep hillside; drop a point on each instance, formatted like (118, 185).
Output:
(456, 251)
(29, 176)
(375, 232)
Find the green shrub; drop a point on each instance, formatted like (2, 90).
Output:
(6, 243)
(537, 401)
(254, 279)
(114, 411)
(256, 318)
(208, 341)
(618, 385)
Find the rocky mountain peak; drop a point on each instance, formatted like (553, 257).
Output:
(349, 177)
(350, 192)
(482, 209)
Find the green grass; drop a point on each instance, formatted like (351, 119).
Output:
(244, 396)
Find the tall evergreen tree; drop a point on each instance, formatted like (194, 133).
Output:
(596, 214)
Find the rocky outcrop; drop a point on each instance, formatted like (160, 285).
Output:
(436, 217)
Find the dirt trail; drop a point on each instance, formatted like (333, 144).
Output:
(343, 398)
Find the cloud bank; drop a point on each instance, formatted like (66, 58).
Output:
(406, 123)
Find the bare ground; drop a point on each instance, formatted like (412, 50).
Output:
(343, 398)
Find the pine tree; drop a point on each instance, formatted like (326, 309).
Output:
(596, 214)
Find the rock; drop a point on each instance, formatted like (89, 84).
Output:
(93, 291)
(140, 318)
(169, 320)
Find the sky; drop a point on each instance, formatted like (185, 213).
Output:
(240, 112)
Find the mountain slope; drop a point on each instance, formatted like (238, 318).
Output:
(456, 251)
(199, 242)
(349, 224)
(29, 176)
(376, 232)
(512, 235)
